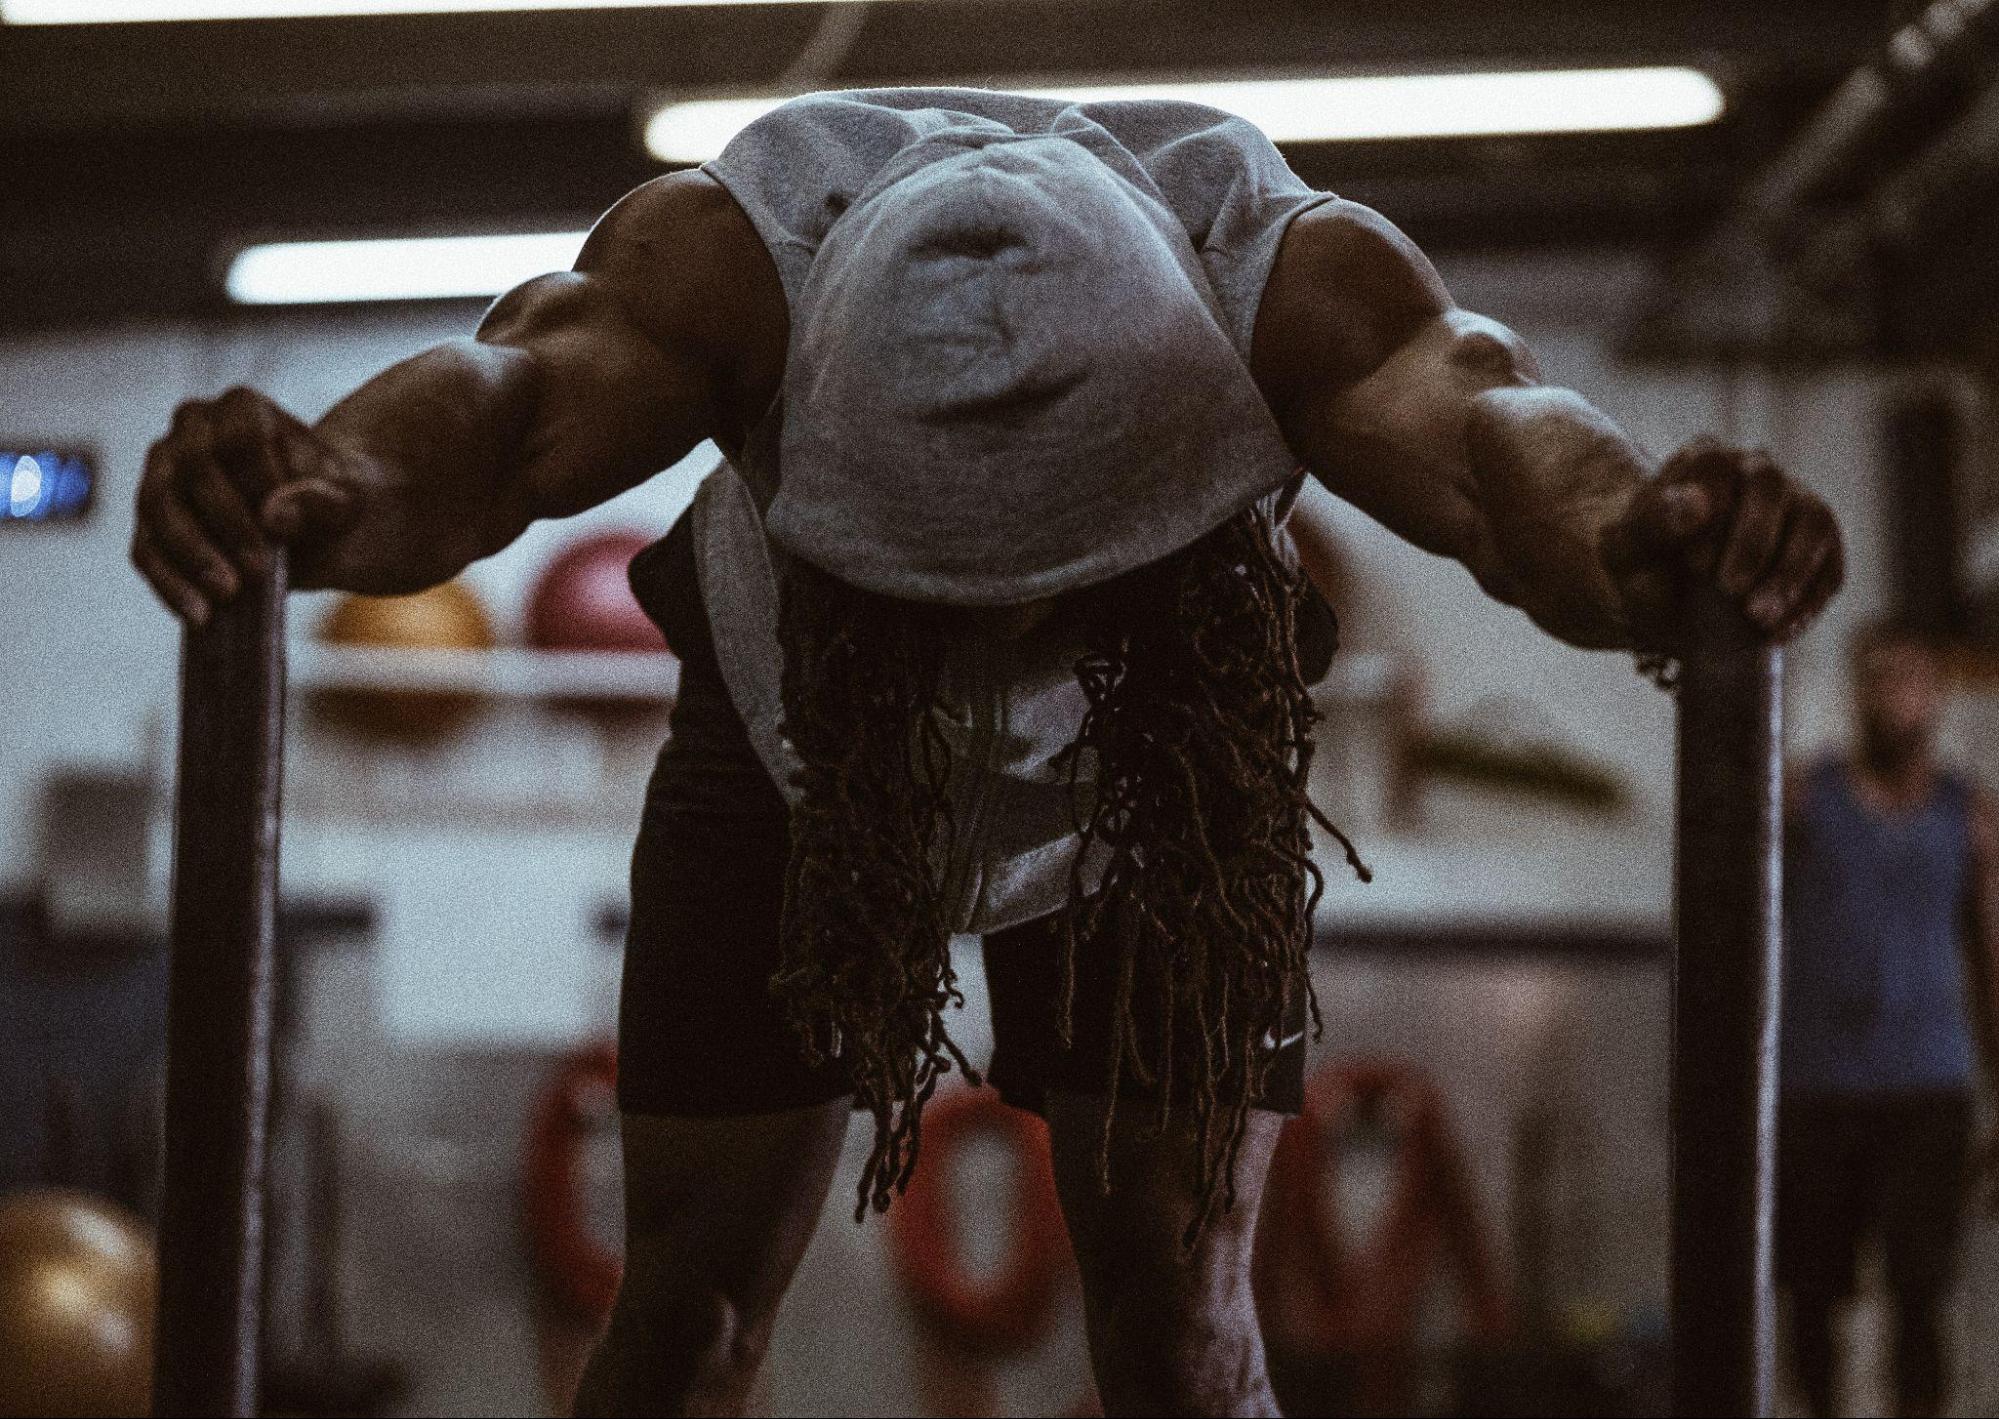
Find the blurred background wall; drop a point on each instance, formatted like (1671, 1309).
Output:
(454, 898)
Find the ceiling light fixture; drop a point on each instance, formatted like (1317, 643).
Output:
(102, 12)
(1384, 106)
(399, 269)
(1289, 110)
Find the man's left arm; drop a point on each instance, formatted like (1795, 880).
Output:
(1436, 422)
(1981, 952)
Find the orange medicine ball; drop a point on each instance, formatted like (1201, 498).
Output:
(446, 617)
(77, 1279)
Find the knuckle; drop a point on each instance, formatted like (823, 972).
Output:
(191, 420)
(306, 453)
(229, 435)
(1765, 477)
(240, 420)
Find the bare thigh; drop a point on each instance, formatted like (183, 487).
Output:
(717, 1214)
(1171, 1330)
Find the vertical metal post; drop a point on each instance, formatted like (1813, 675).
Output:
(1725, 1009)
(219, 1007)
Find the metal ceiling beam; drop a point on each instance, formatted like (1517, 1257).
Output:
(121, 224)
(522, 62)
(1836, 233)
(131, 157)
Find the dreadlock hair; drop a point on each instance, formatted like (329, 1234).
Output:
(1198, 744)
(864, 965)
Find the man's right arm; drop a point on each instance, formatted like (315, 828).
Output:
(577, 387)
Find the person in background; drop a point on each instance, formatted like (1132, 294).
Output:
(1891, 904)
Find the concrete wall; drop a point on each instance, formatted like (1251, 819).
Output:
(487, 943)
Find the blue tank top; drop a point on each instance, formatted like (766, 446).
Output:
(1874, 977)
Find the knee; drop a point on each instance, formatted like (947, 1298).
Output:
(684, 1342)
(1141, 1264)
(1167, 1350)
(1169, 1325)
(669, 1351)
(1158, 1317)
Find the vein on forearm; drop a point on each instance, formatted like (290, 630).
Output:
(453, 420)
(1548, 474)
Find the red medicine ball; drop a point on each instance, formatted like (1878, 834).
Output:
(582, 601)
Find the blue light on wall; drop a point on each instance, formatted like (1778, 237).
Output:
(46, 485)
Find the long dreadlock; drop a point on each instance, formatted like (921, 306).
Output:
(865, 962)
(1201, 723)
(1199, 726)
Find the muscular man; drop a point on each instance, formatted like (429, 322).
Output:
(990, 624)
(1891, 981)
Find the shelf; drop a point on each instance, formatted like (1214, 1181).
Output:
(511, 673)
(644, 676)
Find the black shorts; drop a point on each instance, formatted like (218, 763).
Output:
(1849, 1165)
(699, 1032)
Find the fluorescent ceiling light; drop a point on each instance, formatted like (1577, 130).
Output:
(100, 12)
(1289, 110)
(404, 269)
(1331, 110)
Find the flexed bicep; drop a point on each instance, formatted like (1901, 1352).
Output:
(1398, 443)
(576, 387)
(611, 404)
(672, 322)
(1371, 366)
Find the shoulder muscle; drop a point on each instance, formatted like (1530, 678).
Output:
(1347, 291)
(682, 259)
(655, 341)
(673, 273)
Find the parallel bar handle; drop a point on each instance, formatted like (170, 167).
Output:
(219, 1006)
(1727, 983)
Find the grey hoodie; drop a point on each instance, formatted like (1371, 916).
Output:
(1018, 365)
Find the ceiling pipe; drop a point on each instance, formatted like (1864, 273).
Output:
(1922, 65)
(1915, 198)
(1820, 210)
